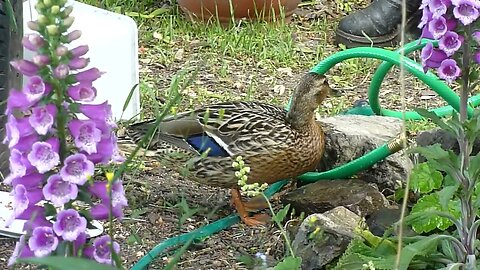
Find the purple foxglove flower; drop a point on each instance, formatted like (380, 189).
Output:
(61, 71)
(449, 70)
(438, 27)
(426, 17)
(101, 250)
(101, 210)
(117, 157)
(61, 50)
(24, 145)
(450, 43)
(23, 198)
(432, 57)
(78, 63)
(99, 189)
(18, 165)
(88, 75)
(35, 217)
(477, 57)
(76, 169)
(21, 251)
(74, 35)
(101, 112)
(59, 191)
(41, 60)
(86, 135)
(438, 7)
(105, 150)
(36, 88)
(79, 51)
(29, 181)
(25, 67)
(33, 42)
(476, 37)
(79, 243)
(43, 241)
(69, 224)
(83, 91)
(44, 155)
(466, 11)
(15, 129)
(17, 101)
(42, 118)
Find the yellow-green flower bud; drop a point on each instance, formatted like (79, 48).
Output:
(62, 2)
(235, 164)
(244, 178)
(239, 158)
(238, 174)
(55, 9)
(52, 29)
(246, 169)
(42, 19)
(47, 3)
(39, 7)
(244, 188)
(241, 163)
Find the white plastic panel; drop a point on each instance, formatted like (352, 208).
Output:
(113, 42)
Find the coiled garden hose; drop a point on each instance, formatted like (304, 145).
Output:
(390, 58)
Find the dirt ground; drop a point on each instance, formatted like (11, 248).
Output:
(155, 193)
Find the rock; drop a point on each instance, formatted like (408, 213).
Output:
(356, 195)
(349, 137)
(323, 237)
(445, 139)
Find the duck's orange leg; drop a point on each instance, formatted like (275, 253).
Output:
(255, 204)
(255, 220)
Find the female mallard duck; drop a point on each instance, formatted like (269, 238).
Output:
(274, 143)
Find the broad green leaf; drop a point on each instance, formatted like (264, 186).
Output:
(424, 179)
(289, 263)
(280, 215)
(68, 263)
(423, 220)
(423, 247)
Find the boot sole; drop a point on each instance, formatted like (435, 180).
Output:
(388, 40)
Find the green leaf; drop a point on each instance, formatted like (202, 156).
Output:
(129, 97)
(424, 179)
(448, 250)
(50, 210)
(435, 119)
(423, 220)
(420, 248)
(445, 195)
(282, 214)
(289, 263)
(474, 167)
(68, 263)
(438, 158)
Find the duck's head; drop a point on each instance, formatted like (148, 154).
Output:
(310, 92)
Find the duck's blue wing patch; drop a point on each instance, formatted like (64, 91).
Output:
(202, 142)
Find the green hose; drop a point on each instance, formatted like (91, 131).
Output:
(390, 58)
(201, 232)
(384, 68)
(393, 58)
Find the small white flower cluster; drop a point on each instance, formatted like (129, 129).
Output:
(249, 190)
(368, 266)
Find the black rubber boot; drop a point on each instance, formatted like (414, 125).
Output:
(378, 24)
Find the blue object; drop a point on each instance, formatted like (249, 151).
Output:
(202, 142)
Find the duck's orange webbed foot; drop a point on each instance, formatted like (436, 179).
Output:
(255, 220)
